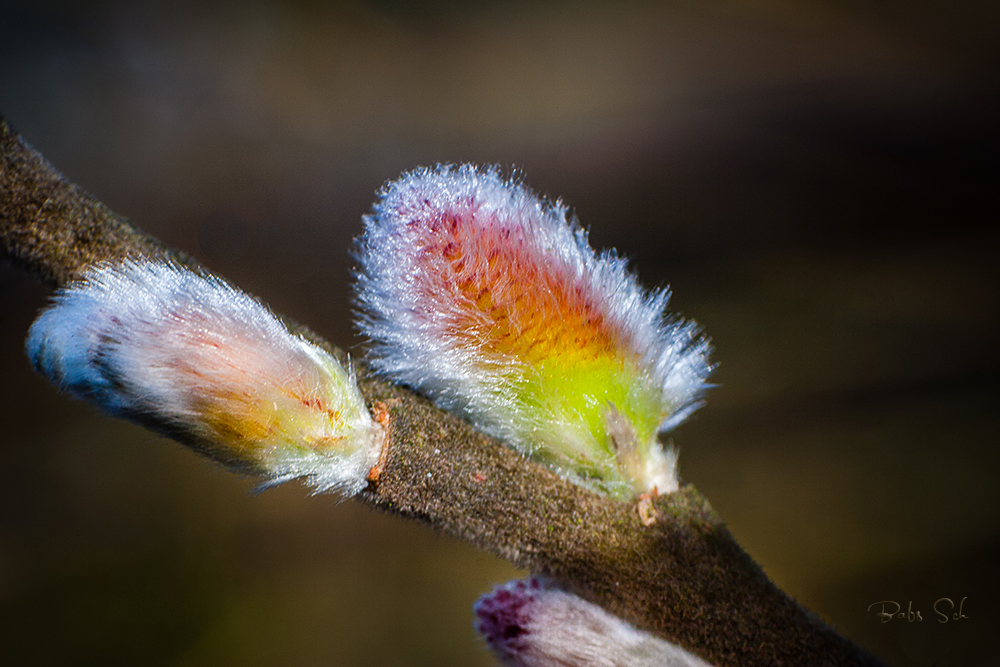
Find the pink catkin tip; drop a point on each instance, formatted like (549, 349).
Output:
(505, 615)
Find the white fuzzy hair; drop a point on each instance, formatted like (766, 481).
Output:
(179, 353)
(532, 623)
(409, 347)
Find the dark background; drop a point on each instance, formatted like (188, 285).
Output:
(817, 181)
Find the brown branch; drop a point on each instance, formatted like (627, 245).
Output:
(683, 577)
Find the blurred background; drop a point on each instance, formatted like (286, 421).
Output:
(817, 181)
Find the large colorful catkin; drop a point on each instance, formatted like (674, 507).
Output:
(197, 360)
(485, 297)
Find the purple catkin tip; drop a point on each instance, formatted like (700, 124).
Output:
(505, 614)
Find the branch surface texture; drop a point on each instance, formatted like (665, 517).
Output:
(683, 577)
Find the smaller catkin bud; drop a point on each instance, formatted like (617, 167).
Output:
(197, 360)
(531, 623)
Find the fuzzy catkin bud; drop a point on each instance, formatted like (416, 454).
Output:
(487, 298)
(195, 359)
(532, 623)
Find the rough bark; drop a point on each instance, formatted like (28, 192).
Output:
(683, 578)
